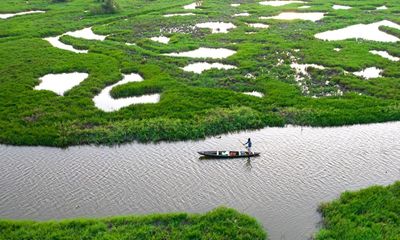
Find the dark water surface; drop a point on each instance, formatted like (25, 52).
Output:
(298, 169)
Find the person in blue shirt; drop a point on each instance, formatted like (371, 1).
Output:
(248, 145)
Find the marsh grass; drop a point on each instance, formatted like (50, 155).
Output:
(30, 117)
(220, 223)
(368, 214)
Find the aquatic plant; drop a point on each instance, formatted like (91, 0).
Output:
(368, 214)
(220, 223)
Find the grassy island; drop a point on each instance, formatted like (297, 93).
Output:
(218, 224)
(368, 214)
(190, 105)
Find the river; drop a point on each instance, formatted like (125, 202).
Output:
(299, 168)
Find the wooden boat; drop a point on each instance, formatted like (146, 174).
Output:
(228, 154)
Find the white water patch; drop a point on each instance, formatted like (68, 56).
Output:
(216, 27)
(192, 6)
(215, 53)
(204, 66)
(106, 103)
(258, 25)
(304, 7)
(179, 14)
(255, 94)
(278, 3)
(337, 49)
(368, 73)
(310, 16)
(341, 7)
(55, 42)
(382, 8)
(60, 83)
(235, 4)
(245, 14)
(160, 39)
(86, 33)
(302, 74)
(9, 15)
(361, 31)
(386, 55)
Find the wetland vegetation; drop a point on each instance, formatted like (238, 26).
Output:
(368, 214)
(220, 223)
(191, 105)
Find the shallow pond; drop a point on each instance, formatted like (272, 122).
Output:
(298, 169)
(363, 31)
(341, 7)
(61, 83)
(55, 42)
(104, 101)
(371, 72)
(386, 55)
(204, 66)
(278, 3)
(309, 16)
(9, 15)
(160, 39)
(258, 25)
(214, 53)
(179, 14)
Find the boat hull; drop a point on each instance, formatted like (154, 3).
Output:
(228, 154)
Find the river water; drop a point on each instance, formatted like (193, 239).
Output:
(298, 169)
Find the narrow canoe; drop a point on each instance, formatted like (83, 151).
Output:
(228, 154)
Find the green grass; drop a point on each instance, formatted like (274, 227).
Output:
(368, 214)
(220, 223)
(192, 106)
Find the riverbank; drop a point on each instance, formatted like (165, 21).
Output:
(369, 214)
(220, 223)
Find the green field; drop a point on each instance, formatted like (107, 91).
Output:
(368, 214)
(221, 223)
(192, 106)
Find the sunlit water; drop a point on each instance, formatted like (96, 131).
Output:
(298, 169)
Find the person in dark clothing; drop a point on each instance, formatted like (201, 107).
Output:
(248, 145)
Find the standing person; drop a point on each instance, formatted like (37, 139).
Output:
(248, 145)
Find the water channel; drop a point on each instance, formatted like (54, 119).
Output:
(299, 168)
